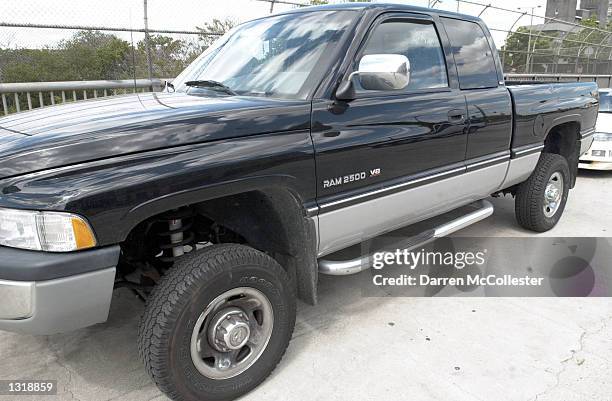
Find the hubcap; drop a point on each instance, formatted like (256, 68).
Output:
(553, 194)
(232, 333)
(229, 330)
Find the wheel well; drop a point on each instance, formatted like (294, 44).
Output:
(270, 220)
(563, 140)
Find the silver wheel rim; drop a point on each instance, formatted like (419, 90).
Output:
(232, 333)
(553, 194)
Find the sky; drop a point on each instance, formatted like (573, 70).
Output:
(187, 14)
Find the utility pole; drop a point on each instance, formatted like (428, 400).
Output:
(271, 6)
(147, 42)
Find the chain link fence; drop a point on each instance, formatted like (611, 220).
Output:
(112, 40)
(116, 40)
(530, 43)
(88, 40)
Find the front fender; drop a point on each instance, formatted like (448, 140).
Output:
(116, 194)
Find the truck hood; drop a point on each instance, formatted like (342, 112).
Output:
(100, 128)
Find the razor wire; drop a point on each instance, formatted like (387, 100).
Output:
(564, 55)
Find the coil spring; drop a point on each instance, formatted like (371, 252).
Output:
(178, 235)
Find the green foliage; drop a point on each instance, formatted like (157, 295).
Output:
(519, 44)
(214, 29)
(169, 56)
(590, 37)
(87, 55)
(581, 42)
(94, 55)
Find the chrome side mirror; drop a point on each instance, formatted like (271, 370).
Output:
(381, 72)
(384, 72)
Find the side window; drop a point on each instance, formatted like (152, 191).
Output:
(472, 53)
(419, 43)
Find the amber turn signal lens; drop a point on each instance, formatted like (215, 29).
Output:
(83, 236)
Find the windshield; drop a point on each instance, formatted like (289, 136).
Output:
(605, 102)
(281, 56)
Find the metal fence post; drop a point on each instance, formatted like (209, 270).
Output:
(147, 42)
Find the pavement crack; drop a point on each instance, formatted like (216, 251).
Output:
(464, 391)
(123, 395)
(59, 360)
(573, 357)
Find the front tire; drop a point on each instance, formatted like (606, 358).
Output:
(540, 201)
(217, 324)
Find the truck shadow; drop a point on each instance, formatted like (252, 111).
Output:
(103, 360)
(597, 174)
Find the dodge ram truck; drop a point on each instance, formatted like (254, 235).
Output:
(220, 199)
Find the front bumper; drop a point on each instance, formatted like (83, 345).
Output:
(44, 293)
(598, 156)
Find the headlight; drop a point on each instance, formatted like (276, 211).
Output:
(44, 231)
(602, 137)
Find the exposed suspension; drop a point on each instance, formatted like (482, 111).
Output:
(179, 234)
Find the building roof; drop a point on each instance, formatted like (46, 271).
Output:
(554, 27)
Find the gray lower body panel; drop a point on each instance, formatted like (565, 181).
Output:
(344, 227)
(59, 305)
(341, 228)
(520, 169)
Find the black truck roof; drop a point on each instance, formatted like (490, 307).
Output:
(382, 7)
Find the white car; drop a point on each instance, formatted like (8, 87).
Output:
(599, 156)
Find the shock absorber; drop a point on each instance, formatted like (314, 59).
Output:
(176, 238)
(178, 234)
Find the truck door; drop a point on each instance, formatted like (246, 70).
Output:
(371, 151)
(481, 81)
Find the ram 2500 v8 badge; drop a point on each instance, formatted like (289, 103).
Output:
(294, 136)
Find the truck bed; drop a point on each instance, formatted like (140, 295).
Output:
(538, 106)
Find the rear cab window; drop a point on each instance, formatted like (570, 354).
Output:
(472, 53)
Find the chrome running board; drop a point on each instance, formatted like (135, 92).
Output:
(483, 210)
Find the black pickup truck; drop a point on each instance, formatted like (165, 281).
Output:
(221, 199)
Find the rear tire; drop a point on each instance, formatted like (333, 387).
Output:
(217, 324)
(540, 201)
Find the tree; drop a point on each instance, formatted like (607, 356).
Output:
(519, 45)
(169, 56)
(214, 29)
(93, 55)
(581, 47)
(88, 55)
(97, 55)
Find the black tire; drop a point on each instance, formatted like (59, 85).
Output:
(530, 202)
(166, 328)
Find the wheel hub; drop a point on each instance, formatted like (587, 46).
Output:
(553, 194)
(229, 329)
(232, 333)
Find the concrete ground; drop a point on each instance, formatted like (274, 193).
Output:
(355, 348)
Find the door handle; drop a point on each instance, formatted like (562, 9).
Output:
(456, 116)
